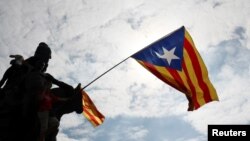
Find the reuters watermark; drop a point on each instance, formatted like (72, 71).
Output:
(236, 132)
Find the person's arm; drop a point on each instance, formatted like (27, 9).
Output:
(3, 80)
(6, 75)
(58, 99)
(57, 82)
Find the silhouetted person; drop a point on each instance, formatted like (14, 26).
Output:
(19, 67)
(22, 82)
(26, 89)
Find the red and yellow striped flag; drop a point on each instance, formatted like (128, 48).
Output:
(90, 111)
(175, 60)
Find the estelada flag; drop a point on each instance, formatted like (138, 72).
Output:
(175, 60)
(90, 111)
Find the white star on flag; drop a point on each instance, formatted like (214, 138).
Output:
(168, 55)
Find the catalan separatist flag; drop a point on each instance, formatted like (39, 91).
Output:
(90, 111)
(175, 60)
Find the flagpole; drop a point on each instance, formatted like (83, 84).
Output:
(106, 72)
(126, 59)
(117, 65)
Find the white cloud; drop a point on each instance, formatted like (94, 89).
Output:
(132, 133)
(71, 121)
(64, 137)
(136, 133)
(87, 37)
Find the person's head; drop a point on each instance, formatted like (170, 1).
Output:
(43, 52)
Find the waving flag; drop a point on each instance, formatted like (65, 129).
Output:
(90, 111)
(175, 60)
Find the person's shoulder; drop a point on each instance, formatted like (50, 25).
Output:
(30, 59)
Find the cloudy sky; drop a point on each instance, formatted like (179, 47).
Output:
(87, 37)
